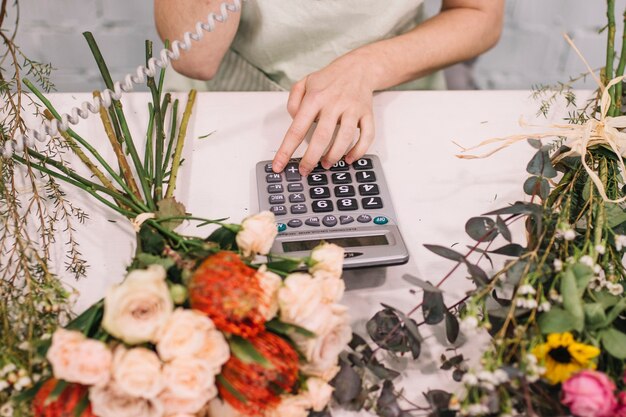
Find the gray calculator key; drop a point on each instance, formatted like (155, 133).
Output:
(368, 189)
(341, 178)
(346, 219)
(347, 204)
(295, 187)
(344, 191)
(291, 172)
(277, 199)
(319, 192)
(275, 188)
(273, 178)
(364, 218)
(340, 166)
(372, 202)
(298, 209)
(312, 221)
(365, 176)
(296, 198)
(278, 210)
(329, 220)
(268, 167)
(317, 179)
(294, 223)
(363, 163)
(321, 206)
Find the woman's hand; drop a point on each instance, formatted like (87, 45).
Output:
(339, 94)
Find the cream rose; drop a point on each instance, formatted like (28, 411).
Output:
(219, 408)
(175, 405)
(270, 283)
(299, 298)
(214, 352)
(318, 392)
(328, 258)
(74, 358)
(111, 401)
(257, 233)
(189, 377)
(137, 372)
(137, 308)
(290, 406)
(332, 287)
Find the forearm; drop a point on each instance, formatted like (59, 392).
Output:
(454, 35)
(175, 17)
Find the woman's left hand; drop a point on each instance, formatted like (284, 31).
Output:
(339, 94)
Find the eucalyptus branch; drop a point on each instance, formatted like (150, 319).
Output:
(179, 144)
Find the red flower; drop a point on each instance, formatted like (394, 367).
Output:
(227, 290)
(64, 405)
(258, 387)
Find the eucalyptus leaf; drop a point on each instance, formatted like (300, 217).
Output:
(503, 229)
(425, 285)
(452, 327)
(387, 403)
(379, 329)
(438, 399)
(481, 229)
(347, 384)
(445, 252)
(477, 274)
(614, 342)
(380, 370)
(535, 143)
(515, 272)
(537, 186)
(512, 249)
(541, 165)
(433, 307)
(518, 207)
(557, 320)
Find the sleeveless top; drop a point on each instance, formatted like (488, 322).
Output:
(281, 41)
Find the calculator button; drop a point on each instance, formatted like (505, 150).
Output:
(340, 166)
(341, 178)
(298, 209)
(294, 223)
(275, 188)
(347, 204)
(268, 167)
(364, 218)
(320, 206)
(296, 198)
(344, 191)
(281, 227)
(278, 210)
(313, 221)
(372, 202)
(273, 178)
(368, 189)
(363, 163)
(329, 221)
(317, 179)
(381, 220)
(319, 192)
(319, 168)
(365, 176)
(295, 187)
(291, 172)
(277, 199)
(346, 219)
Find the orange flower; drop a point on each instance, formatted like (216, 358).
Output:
(64, 405)
(252, 387)
(228, 291)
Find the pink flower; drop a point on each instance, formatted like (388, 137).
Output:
(589, 394)
(620, 411)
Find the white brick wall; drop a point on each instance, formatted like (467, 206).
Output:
(531, 51)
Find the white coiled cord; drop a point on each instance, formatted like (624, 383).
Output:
(52, 127)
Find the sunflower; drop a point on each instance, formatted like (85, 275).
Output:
(563, 356)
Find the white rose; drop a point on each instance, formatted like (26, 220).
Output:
(270, 283)
(332, 287)
(257, 233)
(175, 405)
(190, 333)
(189, 377)
(137, 308)
(328, 258)
(74, 358)
(299, 297)
(219, 408)
(318, 393)
(110, 401)
(290, 406)
(137, 372)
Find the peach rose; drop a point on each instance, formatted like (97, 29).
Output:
(189, 377)
(74, 358)
(219, 408)
(257, 233)
(332, 287)
(300, 297)
(215, 351)
(110, 401)
(327, 258)
(136, 309)
(175, 405)
(270, 283)
(137, 372)
(318, 392)
(290, 406)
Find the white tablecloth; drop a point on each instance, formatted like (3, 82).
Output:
(434, 193)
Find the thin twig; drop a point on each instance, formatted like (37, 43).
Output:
(171, 186)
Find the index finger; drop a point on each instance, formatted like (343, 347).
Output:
(294, 136)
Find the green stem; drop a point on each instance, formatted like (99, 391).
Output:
(171, 186)
(610, 51)
(83, 142)
(160, 136)
(170, 142)
(162, 72)
(620, 71)
(130, 145)
(147, 159)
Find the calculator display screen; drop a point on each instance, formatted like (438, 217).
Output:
(346, 242)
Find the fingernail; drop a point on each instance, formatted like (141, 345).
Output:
(326, 164)
(304, 171)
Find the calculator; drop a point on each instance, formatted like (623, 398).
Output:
(348, 204)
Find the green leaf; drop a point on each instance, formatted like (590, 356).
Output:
(583, 275)
(146, 259)
(446, 252)
(512, 249)
(571, 298)
(347, 384)
(169, 207)
(285, 265)
(594, 315)
(287, 329)
(81, 406)
(89, 319)
(56, 392)
(150, 240)
(606, 299)
(433, 307)
(224, 237)
(541, 165)
(246, 352)
(557, 320)
(614, 342)
(616, 310)
(425, 285)
(503, 229)
(481, 229)
(452, 327)
(537, 186)
(227, 385)
(615, 215)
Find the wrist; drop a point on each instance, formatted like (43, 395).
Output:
(369, 65)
